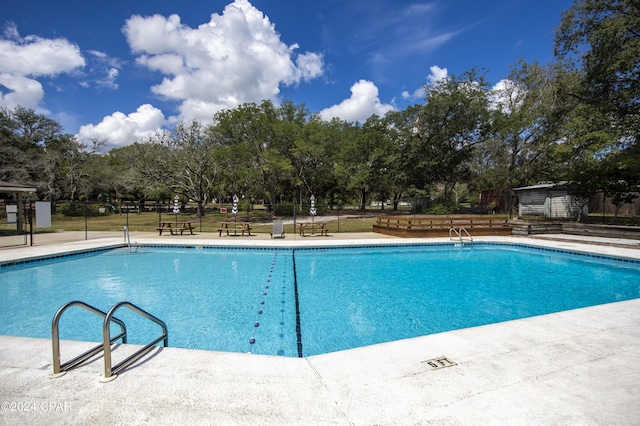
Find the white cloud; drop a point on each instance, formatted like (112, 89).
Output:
(109, 80)
(234, 58)
(37, 56)
(23, 91)
(507, 96)
(118, 129)
(364, 102)
(431, 43)
(309, 66)
(23, 59)
(106, 68)
(437, 74)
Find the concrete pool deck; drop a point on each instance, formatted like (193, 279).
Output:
(578, 367)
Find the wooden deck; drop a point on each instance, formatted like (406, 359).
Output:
(425, 226)
(522, 227)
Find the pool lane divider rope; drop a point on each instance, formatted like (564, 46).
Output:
(265, 292)
(295, 293)
(256, 324)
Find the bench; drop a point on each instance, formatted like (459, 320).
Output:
(421, 226)
(175, 227)
(523, 227)
(313, 227)
(242, 227)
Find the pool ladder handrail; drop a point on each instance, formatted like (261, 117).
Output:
(110, 372)
(459, 233)
(127, 237)
(60, 369)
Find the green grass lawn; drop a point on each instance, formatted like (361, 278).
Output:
(148, 222)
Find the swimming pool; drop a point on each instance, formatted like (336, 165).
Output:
(301, 302)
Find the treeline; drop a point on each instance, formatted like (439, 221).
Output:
(576, 120)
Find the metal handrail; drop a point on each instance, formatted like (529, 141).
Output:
(61, 369)
(466, 232)
(110, 373)
(127, 237)
(459, 234)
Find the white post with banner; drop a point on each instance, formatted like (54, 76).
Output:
(234, 212)
(312, 212)
(176, 208)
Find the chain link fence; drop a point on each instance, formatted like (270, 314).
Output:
(88, 220)
(80, 220)
(75, 220)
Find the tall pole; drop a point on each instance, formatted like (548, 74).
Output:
(86, 225)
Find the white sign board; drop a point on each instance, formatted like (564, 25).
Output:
(12, 214)
(43, 214)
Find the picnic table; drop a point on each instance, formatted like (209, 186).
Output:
(175, 227)
(313, 227)
(236, 227)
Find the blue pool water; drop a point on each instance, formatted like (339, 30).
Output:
(306, 301)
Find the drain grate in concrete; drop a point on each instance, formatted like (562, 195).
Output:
(438, 363)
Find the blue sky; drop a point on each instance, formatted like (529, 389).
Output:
(117, 71)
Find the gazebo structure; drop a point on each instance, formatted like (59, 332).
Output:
(19, 190)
